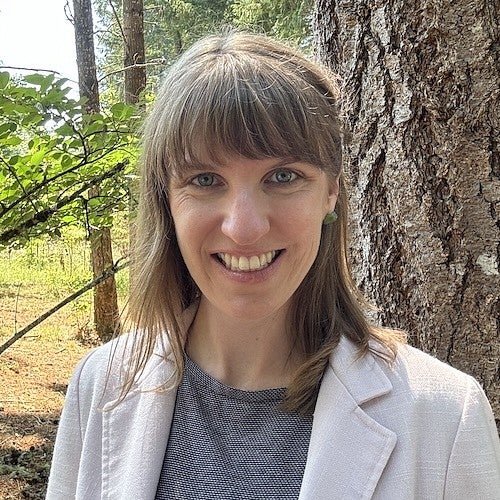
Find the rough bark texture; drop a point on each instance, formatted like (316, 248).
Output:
(106, 314)
(133, 28)
(135, 76)
(422, 103)
(85, 54)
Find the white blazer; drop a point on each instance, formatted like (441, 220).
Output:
(416, 430)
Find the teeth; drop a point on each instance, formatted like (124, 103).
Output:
(253, 263)
(244, 264)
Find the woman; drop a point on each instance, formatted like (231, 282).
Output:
(251, 371)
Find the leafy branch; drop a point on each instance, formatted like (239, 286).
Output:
(45, 214)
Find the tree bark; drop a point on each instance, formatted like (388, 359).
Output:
(106, 313)
(85, 54)
(422, 104)
(133, 28)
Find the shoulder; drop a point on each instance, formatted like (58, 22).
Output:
(414, 384)
(429, 390)
(95, 365)
(445, 411)
(427, 379)
(424, 372)
(93, 373)
(104, 370)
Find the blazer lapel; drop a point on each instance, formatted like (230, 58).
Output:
(135, 435)
(348, 450)
(135, 432)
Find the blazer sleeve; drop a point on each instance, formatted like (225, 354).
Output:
(66, 461)
(474, 464)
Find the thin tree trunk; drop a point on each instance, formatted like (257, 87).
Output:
(135, 76)
(106, 314)
(422, 101)
(133, 28)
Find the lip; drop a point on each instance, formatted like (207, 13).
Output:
(256, 276)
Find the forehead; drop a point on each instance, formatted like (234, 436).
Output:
(237, 110)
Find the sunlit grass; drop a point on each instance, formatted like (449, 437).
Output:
(38, 276)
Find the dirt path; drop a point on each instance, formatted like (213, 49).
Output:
(33, 378)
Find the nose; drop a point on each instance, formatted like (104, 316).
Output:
(246, 219)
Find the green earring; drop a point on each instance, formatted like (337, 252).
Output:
(330, 217)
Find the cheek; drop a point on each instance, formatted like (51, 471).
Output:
(193, 226)
(306, 216)
(303, 227)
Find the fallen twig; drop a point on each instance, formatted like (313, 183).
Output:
(117, 266)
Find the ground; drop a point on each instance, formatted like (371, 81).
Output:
(35, 370)
(34, 374)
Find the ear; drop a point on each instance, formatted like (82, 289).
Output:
(333, 193)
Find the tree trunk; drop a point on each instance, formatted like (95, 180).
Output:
(133, 28)
(135, 77)
(106, 314)
(422, 103)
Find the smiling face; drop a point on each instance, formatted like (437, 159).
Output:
(249, 230)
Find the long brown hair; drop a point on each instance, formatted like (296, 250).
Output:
(248, 95)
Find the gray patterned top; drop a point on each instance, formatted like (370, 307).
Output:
(229, 444)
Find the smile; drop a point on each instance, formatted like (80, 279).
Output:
(248, 264)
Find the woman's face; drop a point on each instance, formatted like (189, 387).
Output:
(249, 230)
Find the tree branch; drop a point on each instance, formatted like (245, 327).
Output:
(117, 266)
(117, 17)
(45, 214)
(10, 168)
(36, 70)
(39, 70)
(84, 161)
(137, 65)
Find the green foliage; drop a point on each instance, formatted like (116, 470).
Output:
(285, 19)
(170, 26)
(56, 266)
(51, 154)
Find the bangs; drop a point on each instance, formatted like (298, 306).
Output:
(230, 105)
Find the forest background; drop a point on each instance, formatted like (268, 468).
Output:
(67, 173)
(422, 162)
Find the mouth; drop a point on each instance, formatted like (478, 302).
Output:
(248, 264)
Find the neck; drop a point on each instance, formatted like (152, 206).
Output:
(247, 354)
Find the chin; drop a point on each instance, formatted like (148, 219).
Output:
(255, 311)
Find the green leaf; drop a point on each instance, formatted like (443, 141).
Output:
(117, 109)
(13, 160)
(65, 130)
(11, 141)
(94, 128)
(67, 161)
(7, 128)
(4, 79)
(37, 79)
(36, 158)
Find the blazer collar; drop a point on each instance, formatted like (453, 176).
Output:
(348, 450)
(347, 453)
